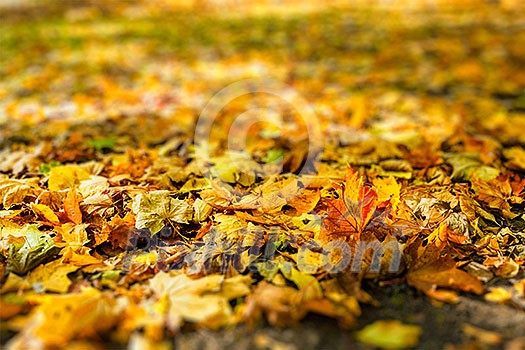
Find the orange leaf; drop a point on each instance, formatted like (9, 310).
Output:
(72, 207)
(352, 212)
(429, 268)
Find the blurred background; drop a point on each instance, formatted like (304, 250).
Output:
(391, 66)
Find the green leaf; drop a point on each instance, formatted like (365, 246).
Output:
(467, 165)
(100, 144)
(46, 167)
(273, 155)
(37, 249)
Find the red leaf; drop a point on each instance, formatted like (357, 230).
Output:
(351, 213)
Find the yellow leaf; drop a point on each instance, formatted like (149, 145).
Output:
(360, 111)
(155, 207)
(66, 176)
(60, 318)
(498, 295)
(429, 268)
(14, 283)
(390, 335)
(201, 210)
(76, 259)
(52, 276)
(516, 156)
(520, 288)
(149, 259)
(44, 211)
(484, 336)
(74, 235)
(204, 300)
(387, 188)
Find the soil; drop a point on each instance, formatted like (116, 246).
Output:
(441, 324)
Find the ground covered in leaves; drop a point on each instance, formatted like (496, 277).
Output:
(390, 214)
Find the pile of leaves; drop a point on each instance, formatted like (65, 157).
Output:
(112, 227)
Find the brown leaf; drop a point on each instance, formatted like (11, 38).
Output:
(431, 267)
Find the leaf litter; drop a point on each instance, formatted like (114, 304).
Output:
(111, 228)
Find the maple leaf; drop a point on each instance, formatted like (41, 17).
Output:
(305, 202)
(155, 208)
(204, 300)
(429, 267)
(74, 238)
(120, 229)
(351, 213)
(387, 190)
(498, 194)
(36, 249)
(234, 168)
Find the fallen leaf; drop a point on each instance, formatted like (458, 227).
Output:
(52, 276)
(154, 209)
(14, 192)
(72, 207)
(59, 318)
(66, 176)
(431, 267)
(45, 212)
(204, 301)
(348, 215)
(482, 335)
(498, 295)
(468, 165)
(390, 334)
(37, 248)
